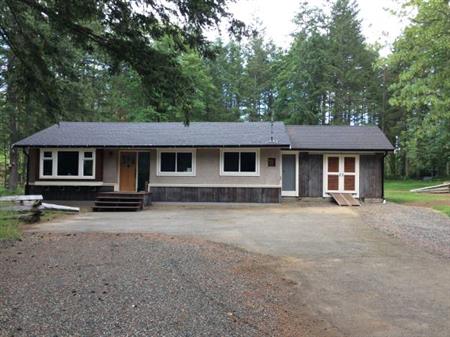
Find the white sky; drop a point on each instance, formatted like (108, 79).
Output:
(378, 25)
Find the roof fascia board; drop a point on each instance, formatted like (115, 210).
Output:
(155, 146)
(343, 150)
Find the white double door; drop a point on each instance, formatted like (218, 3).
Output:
(341, 174)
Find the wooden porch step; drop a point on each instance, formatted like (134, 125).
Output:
(118, 202)
(116, 208)
(121, 195)
(121, 201)
(345, 199)
(117, 197)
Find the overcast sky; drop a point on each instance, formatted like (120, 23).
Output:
(276, 15)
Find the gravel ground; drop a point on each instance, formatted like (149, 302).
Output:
(145, 285)
(419, 226)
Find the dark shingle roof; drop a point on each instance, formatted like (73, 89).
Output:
(324, 137)
(209, 134)
(200, 134)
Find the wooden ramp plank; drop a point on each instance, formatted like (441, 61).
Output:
(350, 200)
(345, 199)
(340, 200)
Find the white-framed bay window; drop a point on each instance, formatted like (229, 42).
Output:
(176, 162)
(239, 162)
(67, 163)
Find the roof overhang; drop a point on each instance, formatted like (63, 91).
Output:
(154, 146)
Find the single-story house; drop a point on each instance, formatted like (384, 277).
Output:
(205, 161)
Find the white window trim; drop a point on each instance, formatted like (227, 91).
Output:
(176, 174)
(240, 174)
(290, 193)
(340, 174)
(55, 151)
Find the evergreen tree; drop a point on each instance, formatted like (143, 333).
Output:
(350, 68)
(259, 78)
(302, 90)
(421, 58)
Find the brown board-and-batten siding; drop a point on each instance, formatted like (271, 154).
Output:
(216, 194)
(64, 192)
(310, 175)
(371, 176)
(34, 158)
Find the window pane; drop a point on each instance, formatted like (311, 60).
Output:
(47, 154)
(349, 164)
(333, 164)
(87, 154)
(168, 161)
(88, 166)
(231, 161)
(184, 162)
(48, 167)
(68, 163)
(248, 162)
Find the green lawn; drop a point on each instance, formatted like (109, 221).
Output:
(9, 226)
(399, 191)
(4, 191)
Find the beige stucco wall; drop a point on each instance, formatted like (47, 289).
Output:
(110, 166)
(208, 171)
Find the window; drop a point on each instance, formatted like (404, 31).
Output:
(67, 164)
(88, 164)
(239, 162)
(176, 162)
(168, 162)
(184, 162)
(248, 161)
(47, 163)
(231, 162)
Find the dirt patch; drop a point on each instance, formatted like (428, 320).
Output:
(141, 285)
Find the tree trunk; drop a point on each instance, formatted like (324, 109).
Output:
(13, 169)
(12, 109)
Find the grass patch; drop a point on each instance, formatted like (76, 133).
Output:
(443, 208)
(399, 191)
(9, 226)
(4, 191)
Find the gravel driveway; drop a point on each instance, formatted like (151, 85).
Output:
(145, 285)
(366, 271)
(418, 226)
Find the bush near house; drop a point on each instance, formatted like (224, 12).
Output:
(399, 191)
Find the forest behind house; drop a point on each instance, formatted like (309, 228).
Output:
(106, 61)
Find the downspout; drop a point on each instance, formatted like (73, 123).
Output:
(27, 183)
(382, 176)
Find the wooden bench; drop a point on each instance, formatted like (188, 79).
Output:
(29, 208)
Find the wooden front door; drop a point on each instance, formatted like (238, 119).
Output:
(341, 174)
(128, 171)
